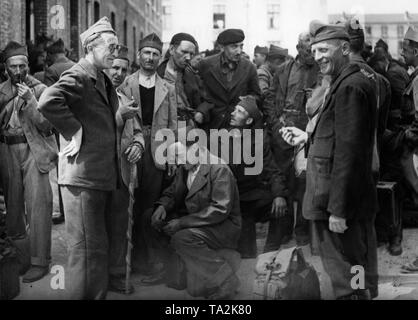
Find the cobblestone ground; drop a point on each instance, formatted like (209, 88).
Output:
(388, 271)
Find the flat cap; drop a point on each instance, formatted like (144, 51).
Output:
(277, 52)
(151, 41)
(103, 25)
(382, 44)
(230, 36)
(179, 37)
(261, 50)
(14, 49)
(56, 47)
(250, 105)
(411, 34)
(321, 32)
(123, 53)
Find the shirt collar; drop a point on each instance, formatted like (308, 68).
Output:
(226, 63)
(147, 81)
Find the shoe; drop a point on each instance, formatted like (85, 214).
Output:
(117, 284)
(57, 217)
(35, 273)
(410, 267)
(227, 290)
(395, 248)
(154, 279)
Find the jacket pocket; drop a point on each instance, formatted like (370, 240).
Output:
(322, 182)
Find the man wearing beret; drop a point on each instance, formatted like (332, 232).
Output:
(410, 54)
(226, 77)
(177, 71)
(284, 105)
(157, 111)
(120, 67)
(340, 196)
(275, 57)
(83, 107)
(28, 152)
(260, 56)
(262, 196)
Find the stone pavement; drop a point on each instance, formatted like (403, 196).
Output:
(388, 272)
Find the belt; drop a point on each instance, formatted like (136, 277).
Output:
(13, 139)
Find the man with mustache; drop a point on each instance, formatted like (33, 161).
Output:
(157, 111)
(226, 77)
(120, 67)
(28, 152)
(340, 198)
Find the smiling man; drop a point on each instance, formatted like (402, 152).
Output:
(83, 107)
(120, 67)
(340, 195)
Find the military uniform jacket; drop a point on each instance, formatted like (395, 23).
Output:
(54, 72)
(78, 100)
(211, 205)
(339, 179)
(36, 128)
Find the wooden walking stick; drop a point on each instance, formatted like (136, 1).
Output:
(132, 180)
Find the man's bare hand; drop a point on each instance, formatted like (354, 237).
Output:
(293, 136)
(172, 227)
(279, 207)
(337, 224)
(24, 91)
(171, 169)
(158, 217)
(134, 153)
(198, 117)
(75, 144)
(128, 110)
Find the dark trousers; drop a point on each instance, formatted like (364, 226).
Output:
(253, 212)
(150, 187)
(86, 211)
(28, 199)
(339, 252)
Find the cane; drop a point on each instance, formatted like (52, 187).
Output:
(132, 179)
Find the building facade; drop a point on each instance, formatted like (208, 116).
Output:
(389, 27)
(23, 20)
(264, 22)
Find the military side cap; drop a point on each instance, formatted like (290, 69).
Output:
(151, 41)
(250, 105)
(57, 47)
(320, 32)
(103, 25)
(123, 53)
(230, 36)
(261, 50)
(179, 37)
(14, 49)
(277, 52)
(411, 34)
(382, 44)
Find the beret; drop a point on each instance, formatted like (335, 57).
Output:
(103, 25)
(230, 36)
(57, 47)
(14, 49)
(277, 52)
(250, 105)
(411, 34)
(261, 50)
(151, 41)
(320, 32)
(179, 37)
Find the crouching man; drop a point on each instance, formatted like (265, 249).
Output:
(198, 219)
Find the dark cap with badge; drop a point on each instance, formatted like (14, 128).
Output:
(321, 32)
(230, 36)
(14, 48)
(151, 41)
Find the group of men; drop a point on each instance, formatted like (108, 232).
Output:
(325, 130)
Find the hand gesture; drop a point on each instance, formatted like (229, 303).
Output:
(24, 91)
(337, 224)
(293, 136)
(74, 146)
(134, 153)
(128, 110)
(279, 207)
(158, 217)
(198, 117)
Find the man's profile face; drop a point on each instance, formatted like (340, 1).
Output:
(239, 117)
(330, 56)
(259, 59)
(304, 49)
(118, 72)
(408, 53)
(182, 54)
(233, 51)
(105, 53)
(149, 58)
(17, 68)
